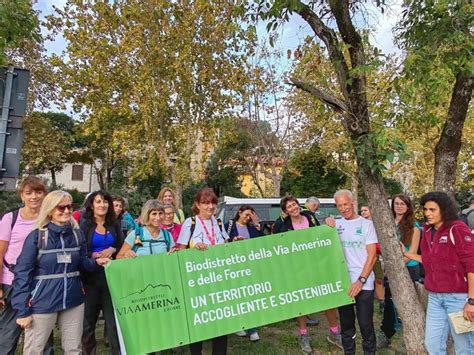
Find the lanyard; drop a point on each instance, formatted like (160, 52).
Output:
(209, 236)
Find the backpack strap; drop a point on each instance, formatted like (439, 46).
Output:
(15, 213)
(166, 233)
(138, 238)
(193, 228)
(229, 227)
(42, 242)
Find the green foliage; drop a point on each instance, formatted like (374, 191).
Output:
(223, 180)
(189, 194)
(309, 174)
(18, 22)
(77, 196)
(377, 148)
(9, 200)
(151, 77)
(47, 142)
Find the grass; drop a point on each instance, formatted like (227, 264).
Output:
(275, 339)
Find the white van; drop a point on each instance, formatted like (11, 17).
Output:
(268, 209)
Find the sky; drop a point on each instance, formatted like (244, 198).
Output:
(291, 33)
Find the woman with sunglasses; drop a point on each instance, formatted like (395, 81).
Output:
(47, 284)
(149, 238)
(104, 238)
(14, 228)
(168, 197)
(200, 232)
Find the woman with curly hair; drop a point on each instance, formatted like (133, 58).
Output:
(447, 253)
(104, 238)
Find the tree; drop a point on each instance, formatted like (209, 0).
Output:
(309, 174)
(18, 22)
(437, 36)
(152, 79)
(269, 118)
(347, 53)
(47, 143)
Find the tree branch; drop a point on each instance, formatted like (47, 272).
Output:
(335, 103)
(329, 37)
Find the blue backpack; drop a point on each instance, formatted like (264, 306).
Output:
(140, 239)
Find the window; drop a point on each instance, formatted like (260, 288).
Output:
(77, 172)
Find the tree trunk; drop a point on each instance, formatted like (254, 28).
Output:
(403, 290)
(353, 105)
(449, 144)
(355, 189)
(54, 184)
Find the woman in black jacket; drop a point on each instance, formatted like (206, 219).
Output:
(104, 238)
(245, 224)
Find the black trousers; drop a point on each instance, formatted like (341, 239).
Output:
(10, 331)
(364, 308)
(98, 298)
(389, 314)
(219, 346)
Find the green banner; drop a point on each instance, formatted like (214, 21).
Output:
(163, 301)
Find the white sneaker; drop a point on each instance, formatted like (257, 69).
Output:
(254, 336)
(241, 333)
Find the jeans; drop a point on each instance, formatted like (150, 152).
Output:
(364, 307)
(438, 324)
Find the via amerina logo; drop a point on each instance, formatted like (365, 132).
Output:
(150, 298)
(149, 286)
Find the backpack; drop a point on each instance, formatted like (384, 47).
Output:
(14, 213)
(464, 217)
(42, 243)
(193, 227)
(139, 239)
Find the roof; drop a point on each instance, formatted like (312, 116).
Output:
(274, 201)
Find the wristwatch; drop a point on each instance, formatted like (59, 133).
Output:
(362, 280)
(470, 301)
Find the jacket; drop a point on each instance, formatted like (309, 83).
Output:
(88, 230)
(42, 283)
(447, 255)
(288, 226)
(253, 232)
(114, 229)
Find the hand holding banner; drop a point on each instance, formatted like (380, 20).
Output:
(162, 301)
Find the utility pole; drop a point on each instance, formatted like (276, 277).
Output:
(13, 94)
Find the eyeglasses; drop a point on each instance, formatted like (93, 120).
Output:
(62, 208)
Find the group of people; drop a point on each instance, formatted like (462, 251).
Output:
(52, 258)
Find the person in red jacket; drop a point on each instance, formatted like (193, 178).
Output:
(447, 253)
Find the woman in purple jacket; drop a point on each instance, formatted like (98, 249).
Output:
(447, 253)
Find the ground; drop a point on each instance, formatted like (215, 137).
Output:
(275, 339)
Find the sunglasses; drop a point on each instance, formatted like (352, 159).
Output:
(62, 208)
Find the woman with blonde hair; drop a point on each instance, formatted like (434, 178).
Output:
(168, 197)
(47, 284)
(149, 238)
